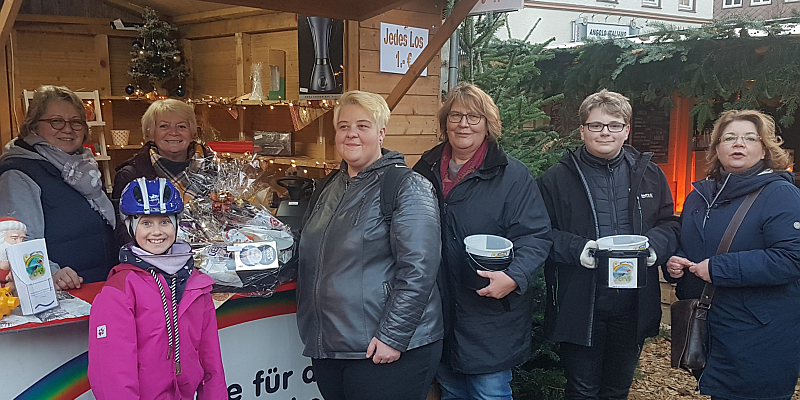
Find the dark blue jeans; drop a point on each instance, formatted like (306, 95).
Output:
(605, 369)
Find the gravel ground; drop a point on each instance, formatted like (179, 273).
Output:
(656, 380)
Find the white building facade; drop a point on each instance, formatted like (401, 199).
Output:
(572, 21)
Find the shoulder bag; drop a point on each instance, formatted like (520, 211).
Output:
(688, 317)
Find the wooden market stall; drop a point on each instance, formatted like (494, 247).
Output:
(72, 43)
(51, 42)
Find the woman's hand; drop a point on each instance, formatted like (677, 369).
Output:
(701, 270)
(500, 284)
(381, 353)
(66, 278)
(675, 266)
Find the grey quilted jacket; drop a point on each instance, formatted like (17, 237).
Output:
(362, 276)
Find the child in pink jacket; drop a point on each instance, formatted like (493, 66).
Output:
(153, 328)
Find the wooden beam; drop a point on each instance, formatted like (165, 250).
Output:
(7, 131)
(102, 65)
(351, 80)
(186, 45)
(217, 15)
(243, 61)
(91, 30)
(127, 6)
(8, 14)
(338, 9)
(271, 22)
(444, 32)
(61, 19)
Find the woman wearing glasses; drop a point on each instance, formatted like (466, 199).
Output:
(754, 321)
(601, 189)
(50, 182)
(482, 190)
(170, 127)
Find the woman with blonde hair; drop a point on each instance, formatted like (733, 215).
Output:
(754, 320)
(170, 128)
(368, 310)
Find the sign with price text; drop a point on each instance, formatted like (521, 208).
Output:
(496, 6)
(400, 46)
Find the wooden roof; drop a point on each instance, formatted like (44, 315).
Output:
(356, 10)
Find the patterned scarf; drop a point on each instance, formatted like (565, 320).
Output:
(182, 181)
(469, 167)
(79, 170)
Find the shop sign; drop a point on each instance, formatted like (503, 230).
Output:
(400, 46)
(606, 31)
(484, 6)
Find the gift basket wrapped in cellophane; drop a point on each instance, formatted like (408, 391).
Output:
(236, 240)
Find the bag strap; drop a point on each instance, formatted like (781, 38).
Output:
(727, 239)
(390, 185)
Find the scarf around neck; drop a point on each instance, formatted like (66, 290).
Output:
(469, 167)
(78, 170)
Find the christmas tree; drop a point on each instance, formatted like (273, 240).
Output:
(155, 57)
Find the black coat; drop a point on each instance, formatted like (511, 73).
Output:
(570, 286)
(501, 198)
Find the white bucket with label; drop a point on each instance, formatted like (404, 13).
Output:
(623, 260)
(487, 253)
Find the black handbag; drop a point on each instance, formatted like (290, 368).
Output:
(688, 317)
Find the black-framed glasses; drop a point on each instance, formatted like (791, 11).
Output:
(456, 117)
(598, 127)
(730, 138)
(60, 123)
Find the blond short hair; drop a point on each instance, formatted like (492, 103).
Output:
(774, 156)
(374, 104)
(167, 106)
(475, 98)
(42, 98)
(611, 103)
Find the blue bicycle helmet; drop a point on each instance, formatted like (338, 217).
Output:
(162, 199)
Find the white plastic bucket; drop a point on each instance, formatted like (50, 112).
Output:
(623, 242)
(488, 246)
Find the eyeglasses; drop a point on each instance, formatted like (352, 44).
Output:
(598, 127)
(472, 119)
(60, 123)
(731, 139)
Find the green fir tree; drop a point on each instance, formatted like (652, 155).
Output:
(155, 57)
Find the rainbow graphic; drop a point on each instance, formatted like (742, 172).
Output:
(70, 380)
(66, 382)
(242, 310)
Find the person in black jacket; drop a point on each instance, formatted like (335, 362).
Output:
(601, 189)
(482, 190)
(368, 310)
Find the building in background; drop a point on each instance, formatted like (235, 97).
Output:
(572, 21)
(756, 9)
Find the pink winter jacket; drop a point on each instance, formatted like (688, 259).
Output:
(128, 342)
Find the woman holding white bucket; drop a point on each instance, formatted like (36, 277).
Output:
(754, 320)
(482, 190)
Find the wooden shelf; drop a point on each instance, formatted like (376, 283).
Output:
(126, 147)
(95, 123)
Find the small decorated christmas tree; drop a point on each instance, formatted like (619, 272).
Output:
(155, 58)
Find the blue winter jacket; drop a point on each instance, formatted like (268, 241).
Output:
(754, 322)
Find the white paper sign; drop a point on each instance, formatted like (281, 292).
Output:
(400, 47)
(31, 268)
(623, 273)
(497, 5)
